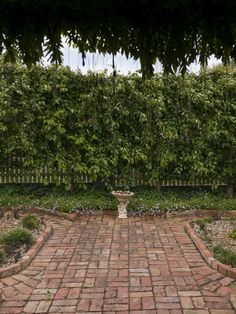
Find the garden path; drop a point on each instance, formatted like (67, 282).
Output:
(102, 264)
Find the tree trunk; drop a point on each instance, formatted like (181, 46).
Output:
(230, 189)
(158, 187)
(74, 184)
(73, 187)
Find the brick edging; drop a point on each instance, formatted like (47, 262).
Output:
(202, 212)
(28, 257)
(206, 254)
(69, 216)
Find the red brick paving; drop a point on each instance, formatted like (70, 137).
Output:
(101, 264)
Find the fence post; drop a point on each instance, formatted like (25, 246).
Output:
(230, 189)
(158, 186)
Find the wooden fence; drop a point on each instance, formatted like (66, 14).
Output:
(13, 173)
(33, 178)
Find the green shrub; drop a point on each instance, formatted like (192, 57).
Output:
(203, 222)
(225, 256)
(2, 256)
(16, 238)
(232, 234)
(30, 222)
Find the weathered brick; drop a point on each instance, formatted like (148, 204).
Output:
(141, 294)
(61, 294)
(83, 305)
(186, 303)
(74, 293)
(135, 303)
(43, 307)
(31, 307)
(148, 303)
(102, 264)
(171, 291)
(189, 293)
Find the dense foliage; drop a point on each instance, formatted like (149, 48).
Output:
(177, 32)
(167, 127)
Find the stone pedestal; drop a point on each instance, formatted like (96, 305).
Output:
(123, 199)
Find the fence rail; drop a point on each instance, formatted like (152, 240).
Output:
(16, 175)
(14, 172)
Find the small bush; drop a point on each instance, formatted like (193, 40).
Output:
(225, 256)
(232, 234)
(203, 222)
(30, 222)
(2, 256)
(16, 238)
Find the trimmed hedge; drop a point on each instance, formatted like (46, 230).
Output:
(166, 127)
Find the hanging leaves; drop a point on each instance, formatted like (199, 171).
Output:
(174, 32)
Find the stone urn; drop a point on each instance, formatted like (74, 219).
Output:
(123, 199)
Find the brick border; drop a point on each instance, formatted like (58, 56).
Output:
(28, 257)
(207, 255)
(69, 216)
(202, 212)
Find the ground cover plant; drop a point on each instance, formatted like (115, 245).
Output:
(17, 234)
(233, 234)
(145, 199)
(218, 233)
(225, 256)
(2, 256)
(15, 238)
(30, 222)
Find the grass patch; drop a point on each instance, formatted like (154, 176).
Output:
(224, 256)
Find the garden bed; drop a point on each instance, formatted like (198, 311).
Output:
(96, 200)
(219, 236)
(18, 232)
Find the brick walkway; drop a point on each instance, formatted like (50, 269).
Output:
(101, 264)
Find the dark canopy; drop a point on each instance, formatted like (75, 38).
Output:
(174, 31)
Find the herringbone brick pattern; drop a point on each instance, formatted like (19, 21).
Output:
(102, 264)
